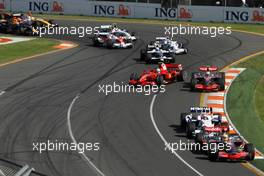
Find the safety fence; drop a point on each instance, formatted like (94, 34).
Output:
(137, 10)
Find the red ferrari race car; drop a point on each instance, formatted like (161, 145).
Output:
(164, 74)
(235, 149)
(208, 79)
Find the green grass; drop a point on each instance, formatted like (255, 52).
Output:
(259, 98)
(19, 50)
(244, 103)
(256, 28)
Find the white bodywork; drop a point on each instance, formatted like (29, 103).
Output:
(172, 46)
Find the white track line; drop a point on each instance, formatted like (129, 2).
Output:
(89, 162)
(164, 140)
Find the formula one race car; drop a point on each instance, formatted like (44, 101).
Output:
(213, 134)
(208, 79)
(236, 149)
(23, 24)
(199, 118)
(112, 37)
(116, 39)
(158, 55)
(166, 73)
(107, 29)
(162, 50)
(166, 45)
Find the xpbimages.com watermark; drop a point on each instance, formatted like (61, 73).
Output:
(79, 31)
(191, 146)
(62, 146)
(127, 88)
(196, 30)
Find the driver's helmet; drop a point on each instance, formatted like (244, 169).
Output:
(158, 70)
(207, 74)
(199, 117)
(204, 117)
(114, 25)
(157, 49)
(238, 142)
(225, 137)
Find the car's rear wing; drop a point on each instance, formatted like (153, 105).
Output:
(174, 65)
(160, 38)
(208, 68)
(213, 129)
(17, 14)
(201, 109)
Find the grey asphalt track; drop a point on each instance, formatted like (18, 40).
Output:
(39, 92)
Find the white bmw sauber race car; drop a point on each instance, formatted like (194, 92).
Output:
(169, 45)
(157, 55)
(113, 38)
(162, 50)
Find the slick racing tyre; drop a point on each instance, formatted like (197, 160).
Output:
(222, 81)
(190, 129)
(134, 76)
(95, 42)
(109, 44)
(160, 80)
(142, 54)
(199, 140)
(193, 83)
(183, 120)
(148, 59)
(28, 32)
(251, 151)
(180, 77)
(213, 153)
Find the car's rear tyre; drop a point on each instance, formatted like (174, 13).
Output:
(193, 83)
(160, 80)
(183, 120)
(134, 76)
(180, 45)
(199, 140)
(148, 59)
(151, 43)
(28, 32)
(109, 44)
(180, 76)
(95, 41)
(222, 81)
(142, 54)
(190, 129)
(213, 153)
(130, 46)
(251, 151)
